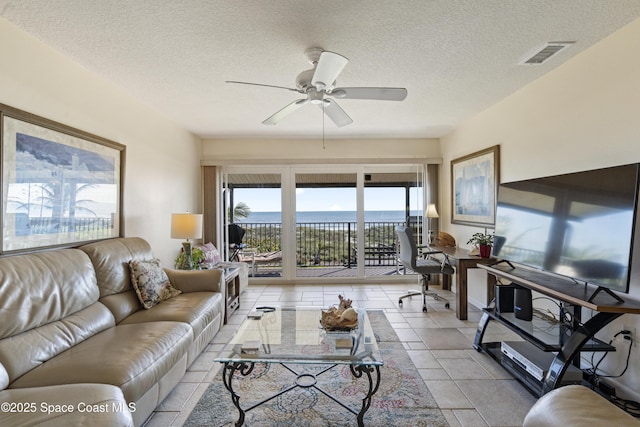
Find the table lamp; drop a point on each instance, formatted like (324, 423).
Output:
(431, 212)
(186, 226)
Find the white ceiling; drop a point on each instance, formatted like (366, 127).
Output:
(455, 58)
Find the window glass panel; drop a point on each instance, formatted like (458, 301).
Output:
(253, 203)
(326, 219)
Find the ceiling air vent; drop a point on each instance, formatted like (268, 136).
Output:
(541, 54)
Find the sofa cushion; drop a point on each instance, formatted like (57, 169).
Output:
(23, 352)
(198, 309)
(133, 357)
(92, 404)
(111, 258)
(122, 305)
(40, 288)
(151, 282)
(48, 303)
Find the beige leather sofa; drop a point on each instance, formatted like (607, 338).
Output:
(76, 346)
(576, 405)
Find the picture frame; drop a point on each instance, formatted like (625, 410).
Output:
(61, 187)
(474, 187)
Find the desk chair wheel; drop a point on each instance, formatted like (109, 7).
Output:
(446, 305)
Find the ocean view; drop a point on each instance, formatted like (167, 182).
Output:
(328, 216)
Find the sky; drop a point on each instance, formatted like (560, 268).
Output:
(99, 200)
(324, 199)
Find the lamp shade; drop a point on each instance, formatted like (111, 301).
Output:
(431, 211)
(186, 226)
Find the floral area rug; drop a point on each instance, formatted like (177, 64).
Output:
(402, 399)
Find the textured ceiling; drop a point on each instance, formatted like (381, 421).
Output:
(455, 58)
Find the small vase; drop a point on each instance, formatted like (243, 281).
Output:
(485, 251)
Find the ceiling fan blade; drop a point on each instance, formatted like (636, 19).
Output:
(295, 105)
(260, 84)
(377, 93)
(329, 66)
(335, 113)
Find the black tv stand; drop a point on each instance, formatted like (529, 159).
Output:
(567, 339)
(502, 261)
(606, 291)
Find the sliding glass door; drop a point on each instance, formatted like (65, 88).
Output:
(253, 227)
(326, 218)
(304, 222)
(391, 198)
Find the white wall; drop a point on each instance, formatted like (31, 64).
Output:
(583, 115)
(162, 172)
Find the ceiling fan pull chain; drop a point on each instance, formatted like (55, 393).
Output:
(323, 146)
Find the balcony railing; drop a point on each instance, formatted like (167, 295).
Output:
(328, 244)
(90, 228)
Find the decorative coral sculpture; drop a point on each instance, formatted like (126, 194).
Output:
(342, 318)
(444, 239)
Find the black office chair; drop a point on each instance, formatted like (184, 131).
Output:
(408, 257)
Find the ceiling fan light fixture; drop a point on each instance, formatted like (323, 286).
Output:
(313, 84)
(315, 96)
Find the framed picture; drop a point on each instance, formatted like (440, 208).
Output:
(474, 187)
(60, 186)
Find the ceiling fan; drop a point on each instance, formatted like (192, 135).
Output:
(318, 84)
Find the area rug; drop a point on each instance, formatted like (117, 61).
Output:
(402, 399)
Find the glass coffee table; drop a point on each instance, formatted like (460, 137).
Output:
(293, 336)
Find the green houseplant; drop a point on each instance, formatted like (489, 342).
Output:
(197, 256)
(484, 242)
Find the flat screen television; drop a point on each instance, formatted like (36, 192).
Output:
(579, 225)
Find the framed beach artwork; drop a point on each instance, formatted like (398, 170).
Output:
(474, 187)
(60, 186)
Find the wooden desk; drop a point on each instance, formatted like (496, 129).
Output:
(461, 259)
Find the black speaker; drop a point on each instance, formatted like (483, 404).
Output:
(523, 304)
(504, 298)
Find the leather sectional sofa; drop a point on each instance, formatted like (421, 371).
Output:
(78, 348)
(577, 405)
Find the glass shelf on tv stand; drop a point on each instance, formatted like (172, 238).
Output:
(566, 342)
(546, 334)
(562, 342)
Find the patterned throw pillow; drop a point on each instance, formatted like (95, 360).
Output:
(151, 282)
(211, 254)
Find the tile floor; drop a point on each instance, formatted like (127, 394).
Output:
(471, 388)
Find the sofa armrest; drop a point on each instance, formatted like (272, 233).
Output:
(576, 405)
(195, 280)
(67, 405)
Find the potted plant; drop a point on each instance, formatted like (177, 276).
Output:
(197, 256)
(484, 242)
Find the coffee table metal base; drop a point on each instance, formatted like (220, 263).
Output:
(305, 380)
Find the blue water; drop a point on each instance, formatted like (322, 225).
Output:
(328, 216)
